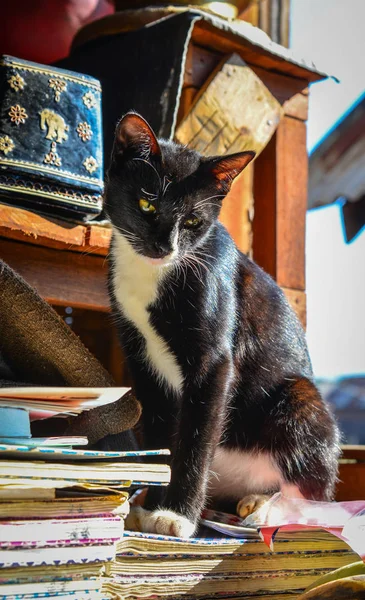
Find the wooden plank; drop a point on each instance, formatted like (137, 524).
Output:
(98, 240)
(264, 221)
(298, 301)
(237, 210)
(274, 19)
(351, 485)
(27, 226)
(250, 14)
(297, 107)
(337, 166)
(280, 191)
(234, 111)
(188, 94)
(30, 227)
(200, 63)
(291, 92)
(292, 178)
(62, 278)
(356, 452)
(206, 35)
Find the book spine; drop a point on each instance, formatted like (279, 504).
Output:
(61, 555)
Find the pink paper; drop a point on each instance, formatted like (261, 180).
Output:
(346, 520)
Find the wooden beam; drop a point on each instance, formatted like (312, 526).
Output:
(62, 278)
(33, 228)
(351, 484)
(97, 240)
(233, 111)
(353, 452)
(291, 92)
(237, 210)
(337, 166)
(280, 192)
(206, 35)
(274, 19)
(298, 301)
(27, 226)
(200, 63)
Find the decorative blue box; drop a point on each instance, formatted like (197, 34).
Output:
(51, 155)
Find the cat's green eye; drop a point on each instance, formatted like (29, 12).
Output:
(146, 206)
(192, 222)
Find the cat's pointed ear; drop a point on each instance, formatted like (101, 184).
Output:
(135, 138)
(225, 169)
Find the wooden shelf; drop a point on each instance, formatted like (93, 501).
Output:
(32, 228)
(64, 261)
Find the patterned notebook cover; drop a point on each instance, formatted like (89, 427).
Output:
(50, 532)
(56, 555)
(110, 474)
(46, 453)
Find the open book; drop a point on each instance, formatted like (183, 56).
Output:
(43, 402)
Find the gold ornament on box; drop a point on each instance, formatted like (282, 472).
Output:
(55, 125)
(6, 144)
(16, 82)
(58, 86)
(17, 114)
(52, 157)
(90, 164)
(89, 100)
(84, 131)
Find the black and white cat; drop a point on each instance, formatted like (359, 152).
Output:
(218, 358)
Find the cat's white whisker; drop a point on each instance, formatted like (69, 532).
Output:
(194, 265)
(189, 265)
(265, 392)
(201, 253)
(199, 261)
(210, 204)
(125, 232)
(201, 264)
(185, 275)
(205, 200)
(166, 185)
(198, 256)
(149, 193)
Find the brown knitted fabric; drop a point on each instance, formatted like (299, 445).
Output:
(40, 349)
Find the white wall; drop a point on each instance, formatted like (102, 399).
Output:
(335, 273)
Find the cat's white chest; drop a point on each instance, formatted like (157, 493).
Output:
(136, 286)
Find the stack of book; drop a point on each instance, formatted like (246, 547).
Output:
(62, 509)
(61, 545)
(155, 566)
(21, 405)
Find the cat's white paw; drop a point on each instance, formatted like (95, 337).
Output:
(164, 522)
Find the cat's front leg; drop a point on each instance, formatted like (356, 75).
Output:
(202, 417)
(160, 414)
